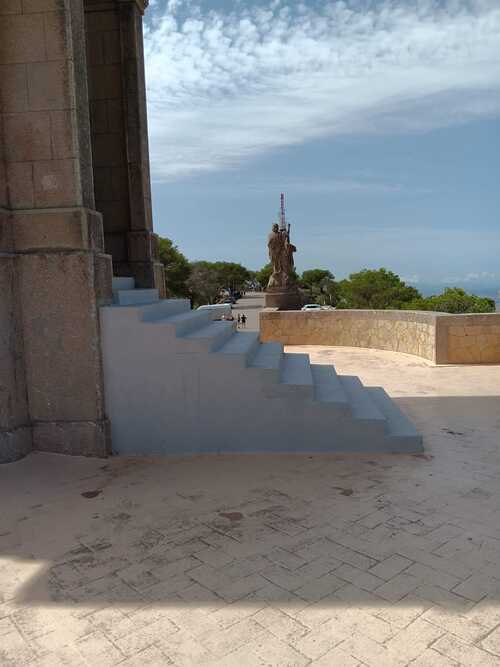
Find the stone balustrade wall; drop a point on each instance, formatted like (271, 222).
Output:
(438, 337)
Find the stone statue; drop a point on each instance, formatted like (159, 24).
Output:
(281, 256)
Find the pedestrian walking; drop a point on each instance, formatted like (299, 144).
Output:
(243, 320)
(239, 319)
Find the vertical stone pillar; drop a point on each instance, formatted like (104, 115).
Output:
(15, 426)
(120, 139)
(51, 236)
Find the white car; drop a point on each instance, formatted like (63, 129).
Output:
(311, 306)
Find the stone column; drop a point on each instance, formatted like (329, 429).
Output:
(120, 138)
(55, 268)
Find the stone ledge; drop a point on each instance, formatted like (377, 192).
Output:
(53, 229)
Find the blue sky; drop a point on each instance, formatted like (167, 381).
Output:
(379, 120)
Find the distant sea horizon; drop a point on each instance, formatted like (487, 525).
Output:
(489, 291)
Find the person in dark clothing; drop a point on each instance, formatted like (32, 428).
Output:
(243, 320)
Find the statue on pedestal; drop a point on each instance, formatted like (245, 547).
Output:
(281, 256)
(282, 291)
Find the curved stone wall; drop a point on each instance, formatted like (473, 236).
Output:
(438, 337)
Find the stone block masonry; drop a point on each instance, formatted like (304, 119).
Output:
(439, 337)
(53, 270)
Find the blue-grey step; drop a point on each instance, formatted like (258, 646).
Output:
(268, 355)
(398, 424)
(122, 283)
(328, 389)
(242, 346)
(296, 374)
(210, 337)
(362, 406)
(186, 322)
(296, 369)
(267, 359)
(164, 308)
(134, 297)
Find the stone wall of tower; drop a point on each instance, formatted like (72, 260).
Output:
(53, 270)
(118, 121)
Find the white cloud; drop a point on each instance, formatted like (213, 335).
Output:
(225, 87)
(472, 277)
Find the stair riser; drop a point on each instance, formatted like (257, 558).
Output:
(135, 297)
(239, 360)
(340, 410)
(122, 283)
(190, 325)
(204, 344)
(302, 392)
(374, 426)
(268, 377)
(165, 308)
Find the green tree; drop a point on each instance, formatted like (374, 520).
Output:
(231, 275)
(204, 283)
(177, 268)
(262, 276)
(312, 277)
(453, 300)
(378, 289)
(329, 292)
(318, 282)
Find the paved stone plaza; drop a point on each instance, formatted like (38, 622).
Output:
(267, 560)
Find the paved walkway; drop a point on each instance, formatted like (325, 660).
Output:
(267, 560)
(251, 304)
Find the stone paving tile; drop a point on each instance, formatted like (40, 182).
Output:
(265, 560)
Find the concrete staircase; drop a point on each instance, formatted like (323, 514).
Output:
(177, 382)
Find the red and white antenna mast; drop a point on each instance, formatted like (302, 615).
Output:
(282, 213)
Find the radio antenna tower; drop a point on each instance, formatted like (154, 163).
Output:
(282, 213)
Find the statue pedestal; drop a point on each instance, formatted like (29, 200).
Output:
(283, 299)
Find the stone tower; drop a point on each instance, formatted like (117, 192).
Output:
(75, 207)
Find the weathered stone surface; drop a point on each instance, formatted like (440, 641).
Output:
(283, 299)
(56, 183)
(13, 403)
(62, 229)
(472, 338)
(438, 337)
(62, 352)
(49, 85)
(27, 136)
(20, 188)
(22, 38)
(15, 432)
(103, 279)
(15, 444)
(13, 88)
(80, 438)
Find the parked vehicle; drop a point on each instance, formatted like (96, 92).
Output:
(218, 310)
(311, 306)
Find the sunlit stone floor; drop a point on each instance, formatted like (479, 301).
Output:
(267, 560)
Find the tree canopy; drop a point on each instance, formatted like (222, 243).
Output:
(204, 284)
(262, 276)
(312, 277)
(453, 300)
(378, 289)
(177, 268)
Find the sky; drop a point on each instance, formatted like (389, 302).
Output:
(378, 119)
